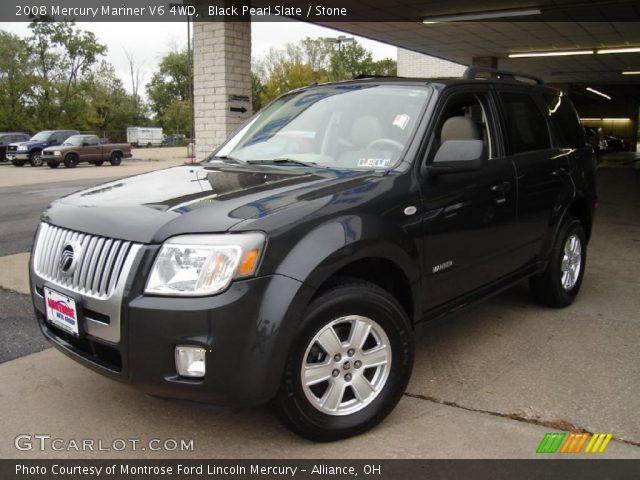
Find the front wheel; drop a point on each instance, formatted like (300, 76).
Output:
(35, 159)
(349, 365)
(560, 283)
(116, 159)
(71, 160)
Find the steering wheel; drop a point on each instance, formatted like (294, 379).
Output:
(387, 141)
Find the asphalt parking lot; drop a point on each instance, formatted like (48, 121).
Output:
(488, 382)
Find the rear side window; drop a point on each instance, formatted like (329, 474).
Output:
(525, 124)
(565, 122)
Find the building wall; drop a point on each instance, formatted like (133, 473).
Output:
(412, 64)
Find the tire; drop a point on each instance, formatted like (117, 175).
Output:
(18, 163)
(71, 160)
(98, 163)
(149, 145)
(347, 303)
(35, 159)
(116, 159)
(560, 283)
(53, 164)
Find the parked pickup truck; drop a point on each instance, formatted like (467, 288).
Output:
(31, 150)
(85, 148)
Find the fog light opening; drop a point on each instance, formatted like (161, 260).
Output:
(190, 361)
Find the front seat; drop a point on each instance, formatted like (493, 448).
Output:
(462, 128)
(459, 128)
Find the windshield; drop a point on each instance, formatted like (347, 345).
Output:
(336, 126)
(41, 136)
(75, 140)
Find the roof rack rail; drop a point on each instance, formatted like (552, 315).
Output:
(362, 76)
(472, 71)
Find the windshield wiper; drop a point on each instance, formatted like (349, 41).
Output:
(280, 161)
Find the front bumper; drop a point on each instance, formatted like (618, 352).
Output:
(17, 156)
(246, 331)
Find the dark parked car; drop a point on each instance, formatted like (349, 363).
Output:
(7, 138)
(85, 149)
(292, 264)
(31, 150)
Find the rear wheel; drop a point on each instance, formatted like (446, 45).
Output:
(53, 164)
(35, 159)
(71, 160)
(349, 364)
(18, 163)
(560, 283)
(116, 159)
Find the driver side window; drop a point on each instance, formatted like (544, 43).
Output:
(464, 121)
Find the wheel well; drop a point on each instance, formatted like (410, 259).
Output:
(382, 272)
(580, 210)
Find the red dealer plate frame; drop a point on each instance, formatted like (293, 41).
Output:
(61, 311)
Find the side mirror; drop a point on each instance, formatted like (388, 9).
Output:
(458, 156)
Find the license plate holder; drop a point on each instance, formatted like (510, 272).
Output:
(62, 311)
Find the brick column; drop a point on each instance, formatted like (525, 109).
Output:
(221, 78)
(485, 62)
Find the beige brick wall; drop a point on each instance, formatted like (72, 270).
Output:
(221, 67)
(412, 64)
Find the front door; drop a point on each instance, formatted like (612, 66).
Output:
(468, 218)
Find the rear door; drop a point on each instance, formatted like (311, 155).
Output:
(469, 218)
(544, 182)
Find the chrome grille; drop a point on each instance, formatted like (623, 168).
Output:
(98, 268)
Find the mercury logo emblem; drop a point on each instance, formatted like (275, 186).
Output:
(69, 258)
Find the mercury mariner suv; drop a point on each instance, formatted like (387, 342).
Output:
(293, 263)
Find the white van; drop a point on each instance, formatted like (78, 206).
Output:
(144, 136)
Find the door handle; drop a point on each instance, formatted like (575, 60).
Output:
(501, 187)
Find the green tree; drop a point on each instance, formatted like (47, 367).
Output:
(351, 60)
(108, 105)
(168, 91)
(312, 61)
(16, 89)
(63, 55)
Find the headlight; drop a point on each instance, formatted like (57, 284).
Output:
(22, 148)
(57, 153)
(204, 264)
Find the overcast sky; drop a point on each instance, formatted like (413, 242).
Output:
(150, 41)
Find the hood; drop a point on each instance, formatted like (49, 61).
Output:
(64, 148)
(27, 143)
(152, 207)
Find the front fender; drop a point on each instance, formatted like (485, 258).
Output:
(336, 243)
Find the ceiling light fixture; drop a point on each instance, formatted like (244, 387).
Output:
(461, 17)
(619, 50)
(597, 92)
(556, 53)
(631, 72)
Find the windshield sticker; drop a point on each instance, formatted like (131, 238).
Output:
(401, 121)
(374, 162)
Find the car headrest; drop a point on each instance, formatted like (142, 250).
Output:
(459, 128)
(365, 130)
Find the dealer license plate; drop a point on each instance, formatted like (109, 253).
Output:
(61, 311)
